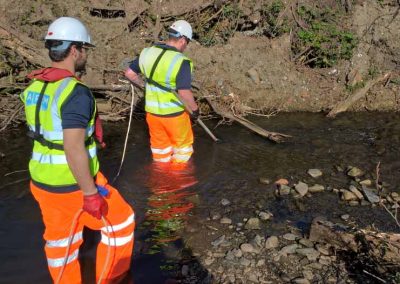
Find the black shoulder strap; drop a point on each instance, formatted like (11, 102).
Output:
(38, 106)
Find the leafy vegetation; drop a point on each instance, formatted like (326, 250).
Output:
(322, 42)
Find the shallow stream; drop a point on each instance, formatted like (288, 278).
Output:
(166, 206)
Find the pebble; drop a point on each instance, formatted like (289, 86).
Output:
(226, 220)
(345, 217)
(247, 248)
(290, 237)
(306, 243)
(301, 188)
(265, 215)
(314, 173)
(253, 224)
(316, 188)
(225, 202)
(272, 242)
(264, 180)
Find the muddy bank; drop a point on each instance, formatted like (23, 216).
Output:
(275, 56)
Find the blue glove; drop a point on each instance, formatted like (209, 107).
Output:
(102, 190)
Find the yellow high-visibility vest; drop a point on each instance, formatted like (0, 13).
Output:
(160, 66)
(48, 164)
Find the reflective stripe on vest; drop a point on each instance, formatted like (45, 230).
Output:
(50, 166)
(160, 101)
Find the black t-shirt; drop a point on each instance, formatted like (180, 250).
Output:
(184, 76)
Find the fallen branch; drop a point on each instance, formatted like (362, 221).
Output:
(344, 105)
(274, 136)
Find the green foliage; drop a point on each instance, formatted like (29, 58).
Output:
(270, 12)
(323, 42)
(356, 86)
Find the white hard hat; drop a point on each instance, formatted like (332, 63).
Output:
(181, 28)
(68, 29)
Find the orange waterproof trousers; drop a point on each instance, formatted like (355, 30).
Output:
(171, 138)
(59, 211)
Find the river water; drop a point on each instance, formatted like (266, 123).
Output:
(168, 201)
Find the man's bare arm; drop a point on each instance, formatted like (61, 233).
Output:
(78, 159)
(134, 77)
(188, 98)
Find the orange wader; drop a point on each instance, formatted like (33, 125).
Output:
(171, 138)
(59, 210)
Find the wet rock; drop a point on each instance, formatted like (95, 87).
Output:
(260, 262)
(290, 237)
(226, 220)
(284, 190)
(310, 253)
(354, 203)
(308, 274)
(216, 216)
(365, 202)
(245, 262)
(253, 224)
(325, 260)
(225, 202)
(370, 195)
(314, 173)
(357, 193)
(316, 188)
(366, 182)
(306, 243)
(301, 188)
(234, 253)
(300, 280)
(348, 195)
(355, 172)
(290, 249)
(264, 216)
(253, 278)
(258, 241)
(272, 242)
(323, 249)
(345, 217)
(246, 248)
(218, 241)
(185, 270)
(264, 180)
(208, 261)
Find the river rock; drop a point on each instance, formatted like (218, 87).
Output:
(300, 280)
(348, 195)
(225, 220)
(284, 189)
(355, 172)
(272, 242)
(225, 202)
(301, 188)
(323, 249)
(246, 248)
(290, 237)
(306, 243)
(208, 261)
(370, 195)
(357, 193)
(308, 274)
(310, 253)
(245, 262)
(218, 241)
(216, 216)
(265, 215)
(345, 217)
(290, 249)
(314, 173)
(316, 188)
(264, 180)
(366, 182)
(253, 224)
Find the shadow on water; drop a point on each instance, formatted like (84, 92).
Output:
(168, 206)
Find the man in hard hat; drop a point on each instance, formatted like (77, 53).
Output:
(66, 182)
(166, 70)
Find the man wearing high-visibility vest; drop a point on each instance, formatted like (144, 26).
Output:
(64, 168)
(167, 70)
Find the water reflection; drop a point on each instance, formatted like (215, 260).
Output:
(168, 203)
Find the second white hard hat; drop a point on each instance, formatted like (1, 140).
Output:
(68, 29)
(182, 28)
